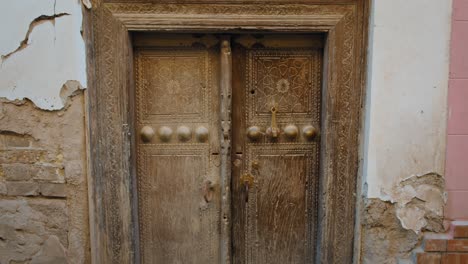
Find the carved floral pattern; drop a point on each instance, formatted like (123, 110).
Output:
(290, 80)
(283, 81)
(282, 86)
(177, 85)
(174, 85)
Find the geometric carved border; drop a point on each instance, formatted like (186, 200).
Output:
(113, 220)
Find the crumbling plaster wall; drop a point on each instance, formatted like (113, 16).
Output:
(41, 49)
(405, 127)
(43, 189)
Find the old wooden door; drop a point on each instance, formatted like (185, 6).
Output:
(177, 152)
(275, 110)
(276, 119)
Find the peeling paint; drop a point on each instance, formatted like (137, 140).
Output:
(411, 218)
(51, 51)
(425, 210)
(392, 231)
(69, 89)
(87, 4)
(419, 199)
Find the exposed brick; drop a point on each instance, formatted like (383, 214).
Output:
(22, 188)
(460, 230)
(9, 140)
(429, 258)
(3, 189)
(432, 245)
(460, 245)
(18, 171)
(50, 174)
(21, 156)
(56, 212)
(52, 252)
(25, 224)
(53, 189)
(454, 258)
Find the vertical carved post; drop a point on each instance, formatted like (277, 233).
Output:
(226, 92)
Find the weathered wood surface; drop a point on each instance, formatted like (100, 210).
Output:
(110, 138)
(179, 193)
(225, 140)
(275, 221)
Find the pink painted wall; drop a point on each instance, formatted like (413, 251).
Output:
(457, 143)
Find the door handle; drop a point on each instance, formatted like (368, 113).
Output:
(208, 191)
(273, 131)
(247, 181)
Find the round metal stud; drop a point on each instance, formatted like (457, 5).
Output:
(291, 131)
(146, 133)
(309, 132)
(254, 133)
(201, 133)
(184, 133)
(165, 133)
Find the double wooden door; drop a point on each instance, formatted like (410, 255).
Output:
(228, 147)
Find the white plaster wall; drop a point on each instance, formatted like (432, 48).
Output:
(405, 130)
(54, 55)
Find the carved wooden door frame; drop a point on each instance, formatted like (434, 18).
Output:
(112, 190)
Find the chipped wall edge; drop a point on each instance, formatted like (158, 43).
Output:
(44, 58)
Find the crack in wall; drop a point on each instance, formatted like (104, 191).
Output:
(37, 21)
(44, 53)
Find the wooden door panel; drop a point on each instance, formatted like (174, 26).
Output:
(174, 85)
(275, 220)
(285, 77)
(281, 209)
(179, 227)
(177, 161)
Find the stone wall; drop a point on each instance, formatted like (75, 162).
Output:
(43, 194)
